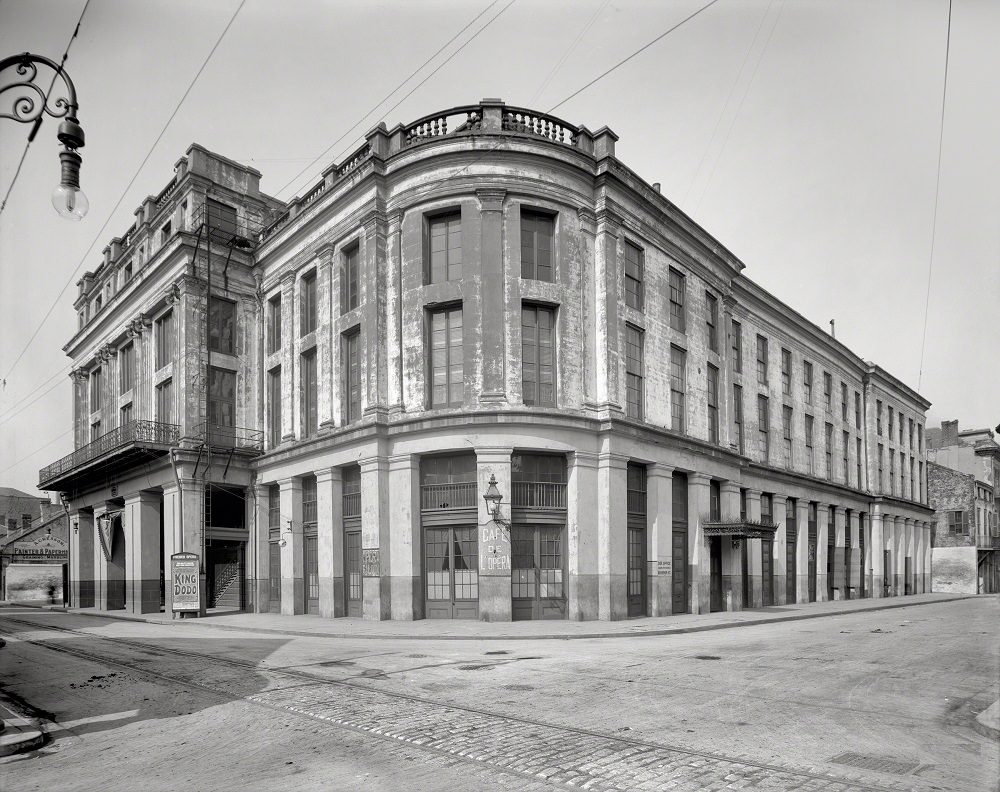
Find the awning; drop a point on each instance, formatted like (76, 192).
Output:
(739, 529)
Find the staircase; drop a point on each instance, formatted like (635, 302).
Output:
(227, 587)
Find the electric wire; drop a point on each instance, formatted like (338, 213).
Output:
(118, 203)
(415, 88)
(569, 51)
(937, 192)
(45, 103)
(31, 394)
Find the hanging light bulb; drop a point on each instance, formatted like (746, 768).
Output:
(67, 198)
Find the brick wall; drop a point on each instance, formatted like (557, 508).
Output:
(950, 490)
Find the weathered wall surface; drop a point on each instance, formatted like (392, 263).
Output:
(954, 570)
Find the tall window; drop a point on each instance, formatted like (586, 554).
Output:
(274, 406)
(738, 418)
(892, 472)
(958, 523)
(910, 433)
(95, 430)
(308, 394)
(676, 283)
(634, 373)
(761, 359)
(165, 402)
(878, 417)
(222, 326)
(274, 507)
(847, 457)
(767, 508)
(920, 438)
(712, 320)
(537, 355)
(807, 380)
(221, 397)
(713, 404)
(901, 427)
(857, 410)
(920, 481)
(445, 259)
(126, 368)
(786, 428)
(888, 417)
(352, 375)
(828, 390)
(881, 462)
(737, 339)
(274, 324)
(843, 402)
(96, 389)
(763, 428)
(786, 372)
(309, 500)
(912, 474)
(125, 415)
(447, 362)
(828, 451)
(166, 340)
(308, 312)
(678, 388)
(857, 461)
(633, 276)
(810, 451)
(537, 234)
(349, 279)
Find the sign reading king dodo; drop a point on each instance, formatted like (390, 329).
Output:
(184, 582)
(494, 550)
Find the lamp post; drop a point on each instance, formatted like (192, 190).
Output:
(493, 498)
(29, 105)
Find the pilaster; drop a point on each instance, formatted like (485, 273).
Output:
(292, 581)
(822, 550)
(495, 603)
(330, 542)
(778, 558)
(583, 600)
(141, 526)
(659, 528)
(699, 507)
(405, 560)
(755, 561)
(612, 536)
(375, 538)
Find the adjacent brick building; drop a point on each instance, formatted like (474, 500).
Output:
(962, 475)
(483, 301)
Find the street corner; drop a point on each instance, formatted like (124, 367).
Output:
(19, 733)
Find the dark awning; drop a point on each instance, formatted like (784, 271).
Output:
(739, 529)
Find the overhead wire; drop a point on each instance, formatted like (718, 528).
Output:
(937, 193)
(45, 104)
(118, 203)
(569, 51)
(31, 394)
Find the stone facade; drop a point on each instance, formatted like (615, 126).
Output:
(507, 304)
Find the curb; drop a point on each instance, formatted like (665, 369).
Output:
(891, 603)
(987, 722)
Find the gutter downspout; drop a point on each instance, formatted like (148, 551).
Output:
(254, 550)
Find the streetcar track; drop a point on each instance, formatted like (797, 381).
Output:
(307, 680)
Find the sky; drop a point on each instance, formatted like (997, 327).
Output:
(806, 136)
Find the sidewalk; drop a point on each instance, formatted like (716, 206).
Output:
(472, 630)
(17, 733)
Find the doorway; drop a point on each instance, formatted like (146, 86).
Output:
(451, 561)
(637, 568)
(767, 571)
(715, 573)
(537, 573)
(352, 573)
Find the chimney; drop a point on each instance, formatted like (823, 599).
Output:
(949, 433)
(50, 510)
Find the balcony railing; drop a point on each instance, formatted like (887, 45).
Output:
(236, 437)
(461, 495)
(352, 504)
(538, 495)
(142, 432)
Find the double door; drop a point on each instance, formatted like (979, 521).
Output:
(637, 585)
(352, 573)
(451, 561)
(537, 578)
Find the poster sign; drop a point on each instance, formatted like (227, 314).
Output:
(185, 584)
(47, 549)
(494, 550)
(370, 563)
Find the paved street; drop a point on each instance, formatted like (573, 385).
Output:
(871, 700)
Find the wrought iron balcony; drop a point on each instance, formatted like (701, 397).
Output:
(543, 495)
(141, 435)
(236, 438)
(460, 495)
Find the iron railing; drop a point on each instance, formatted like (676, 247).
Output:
(538, 495)
(461, 495)
(134, 432)
(352, 504)
(236, 437)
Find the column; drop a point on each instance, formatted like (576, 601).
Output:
(406, 556)
(866, 561)
(778, 555)
(822, 550)
(659, 515)
(802, 551)
(289, 373)
(929, 556)
(375, 538)
(394, 316)
(899, 556)
(330, 541)
(259, 538)
(372, 288)
(918, 557)
(605, 317)
(326, 380)
(755, 567)
(292, 583)
(492, 290)
(141, 525)
(889, 547)
(839, 543)
(191, 537)
(582, 554)
(100, 562)
(732, 550)
(699, 574)
(877, 543)
(908, 529)
(82, 558)
(612, 536)
(494, 539)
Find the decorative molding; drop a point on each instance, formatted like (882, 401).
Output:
(491, 199)
(173, 294)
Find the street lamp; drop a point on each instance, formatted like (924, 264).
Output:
(493, 498)
(29, 105)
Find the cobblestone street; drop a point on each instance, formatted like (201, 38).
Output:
(874, 700)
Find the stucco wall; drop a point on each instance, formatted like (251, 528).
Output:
(954, 570)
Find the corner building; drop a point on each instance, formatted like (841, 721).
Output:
(489, 294)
